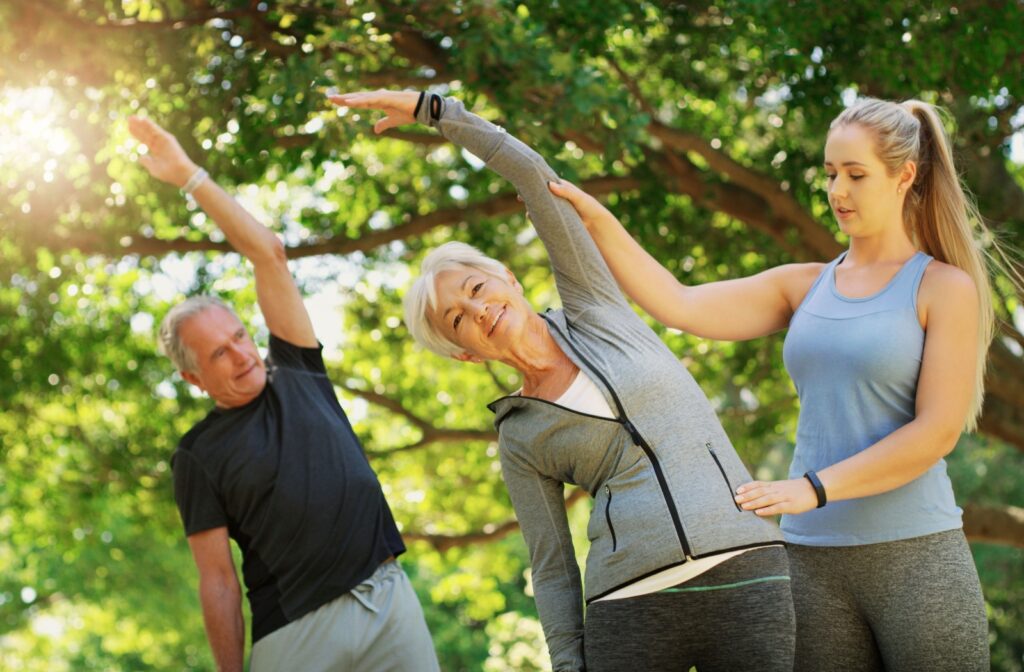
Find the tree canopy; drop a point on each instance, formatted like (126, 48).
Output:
(701, 124)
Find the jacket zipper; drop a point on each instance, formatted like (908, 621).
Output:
(608, 517)
(639, 441)
(732, 495)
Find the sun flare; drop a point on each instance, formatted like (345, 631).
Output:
(30, 127)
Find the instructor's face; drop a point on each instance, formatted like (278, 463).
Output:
(228, 365)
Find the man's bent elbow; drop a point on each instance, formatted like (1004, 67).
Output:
(272, 253)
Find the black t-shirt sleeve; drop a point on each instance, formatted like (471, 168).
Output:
(289, 356)
(198, 503)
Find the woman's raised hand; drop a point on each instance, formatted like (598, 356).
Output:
(398, 106)
(165, 160)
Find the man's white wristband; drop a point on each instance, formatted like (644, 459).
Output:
(194, 181)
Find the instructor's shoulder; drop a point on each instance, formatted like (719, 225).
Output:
(795, 280)
(946, 287)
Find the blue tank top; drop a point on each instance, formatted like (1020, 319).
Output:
(855, 363)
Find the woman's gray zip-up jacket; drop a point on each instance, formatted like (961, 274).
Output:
(662, 474)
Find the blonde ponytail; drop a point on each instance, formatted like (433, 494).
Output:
(941, 218)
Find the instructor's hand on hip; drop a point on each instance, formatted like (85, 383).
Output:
(769, 498)
(398, 106)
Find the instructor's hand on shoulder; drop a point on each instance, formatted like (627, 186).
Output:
(590, 210)
(398, 106)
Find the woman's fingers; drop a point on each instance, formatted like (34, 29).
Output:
(748, 487)
(393, 105)
(772, 510)
(404, 101)
(565, 189)
(757, 495)
(360, 100)
(775, 497)
(759, 501)
(390, 121)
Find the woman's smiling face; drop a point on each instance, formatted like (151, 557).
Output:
(482, 314)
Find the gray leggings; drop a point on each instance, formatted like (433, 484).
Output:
(735, 617)
(913, 604)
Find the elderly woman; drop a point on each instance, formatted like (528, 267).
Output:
(677, 574)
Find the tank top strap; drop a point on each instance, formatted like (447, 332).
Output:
(911, 275)
(816, 285)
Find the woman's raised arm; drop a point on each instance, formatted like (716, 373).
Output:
(583, 278)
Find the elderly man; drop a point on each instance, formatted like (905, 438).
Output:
(276, 466)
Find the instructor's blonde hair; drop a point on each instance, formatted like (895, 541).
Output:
(941, 218)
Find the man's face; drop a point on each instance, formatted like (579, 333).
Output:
(228, 365)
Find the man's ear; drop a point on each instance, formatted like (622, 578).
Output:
(190, 377)
(466, 357)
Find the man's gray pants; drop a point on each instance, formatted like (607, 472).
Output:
(376, 627)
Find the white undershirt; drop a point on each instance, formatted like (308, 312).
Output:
(583, 396)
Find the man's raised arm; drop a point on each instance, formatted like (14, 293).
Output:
(276, 291)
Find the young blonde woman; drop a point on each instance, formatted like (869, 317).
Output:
(886, 345)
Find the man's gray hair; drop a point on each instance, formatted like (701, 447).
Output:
(422, 296)
(170, 340)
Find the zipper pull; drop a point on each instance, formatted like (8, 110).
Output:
(633, 433)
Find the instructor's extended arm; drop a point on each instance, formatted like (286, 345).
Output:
(276, 291)
(731, 310)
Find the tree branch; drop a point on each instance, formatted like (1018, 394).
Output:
(196, 19)
(494, 376)
(429, 433)
(503, 204)
(490, 533)
(1002, 525)
(982, 524)
(787, 209)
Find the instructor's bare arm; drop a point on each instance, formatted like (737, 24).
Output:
(728, 310)
(276, 291)
(220, 596)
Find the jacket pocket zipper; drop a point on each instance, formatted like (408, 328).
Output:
(608, 517)
(732, 495)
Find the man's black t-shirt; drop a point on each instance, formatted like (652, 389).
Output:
(286, 475)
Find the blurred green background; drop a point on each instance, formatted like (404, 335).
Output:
(701, 124)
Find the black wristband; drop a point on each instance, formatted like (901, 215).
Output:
(419, 103)
(435, 107)
(819, 489)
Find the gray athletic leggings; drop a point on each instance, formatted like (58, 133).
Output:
(913, 604)
(735, 617)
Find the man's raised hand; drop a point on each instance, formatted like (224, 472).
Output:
(166, 160)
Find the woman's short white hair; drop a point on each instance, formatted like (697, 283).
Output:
(422, 296)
